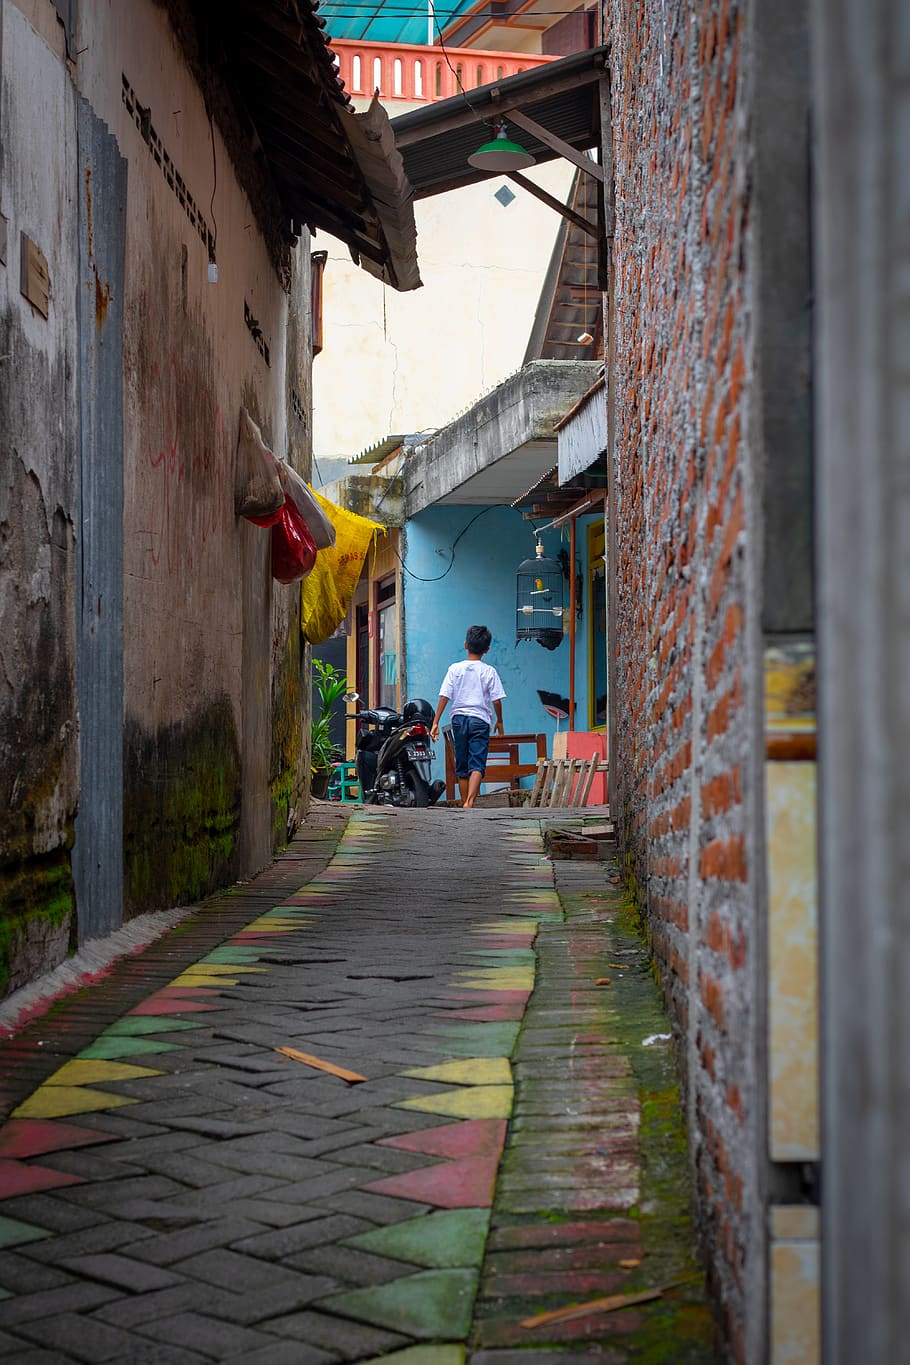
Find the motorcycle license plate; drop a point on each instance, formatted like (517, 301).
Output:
(417, 755)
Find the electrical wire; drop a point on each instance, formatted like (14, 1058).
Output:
(214, 187)
(420, 578)
(445, 54)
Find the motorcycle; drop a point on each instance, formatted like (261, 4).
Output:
(393, 755)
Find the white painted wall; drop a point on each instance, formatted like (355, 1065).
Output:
(407, 362)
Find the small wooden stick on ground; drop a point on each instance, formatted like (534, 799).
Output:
(583, 1310)
(352, 1077)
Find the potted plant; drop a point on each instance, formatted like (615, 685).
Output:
(330, 687)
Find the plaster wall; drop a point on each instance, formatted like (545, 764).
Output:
(411, 362)
(38, 507)
(215, 709)
(480, 590)
(208, 634)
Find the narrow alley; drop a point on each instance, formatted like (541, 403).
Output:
(496, 1171)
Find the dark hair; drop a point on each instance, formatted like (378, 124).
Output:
(477, 640)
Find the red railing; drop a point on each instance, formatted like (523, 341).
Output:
(402, 71)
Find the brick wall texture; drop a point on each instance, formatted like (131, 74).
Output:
(682, 351)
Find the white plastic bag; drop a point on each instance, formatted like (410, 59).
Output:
(298, 492)
(259, 491)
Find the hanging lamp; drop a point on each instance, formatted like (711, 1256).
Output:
(501, 154)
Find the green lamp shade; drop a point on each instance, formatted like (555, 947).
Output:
(501, 155)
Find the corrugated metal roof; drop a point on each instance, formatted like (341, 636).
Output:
(396, 21)
(373, 454)
(331, 168)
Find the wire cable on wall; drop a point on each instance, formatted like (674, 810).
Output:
(214, 188)
(420, 578)
(445, 54)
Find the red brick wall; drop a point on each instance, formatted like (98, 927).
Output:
(683, 758)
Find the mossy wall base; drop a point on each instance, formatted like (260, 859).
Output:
(37, 921)
(290, 722)
(182, 810)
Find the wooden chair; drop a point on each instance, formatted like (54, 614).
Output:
(565, 782)
(507, 769)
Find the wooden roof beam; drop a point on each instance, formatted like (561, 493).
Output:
(557, 144)
(554, 203)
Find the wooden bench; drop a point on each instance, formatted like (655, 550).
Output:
(507, 768)
(565, 782)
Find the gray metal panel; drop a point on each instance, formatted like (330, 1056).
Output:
(861, 79)
(783, 313)
(98, 850)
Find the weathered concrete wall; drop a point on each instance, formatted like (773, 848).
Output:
(213, 665)
(206, 651)
(688, 694)
(521, 412)
(38, 507)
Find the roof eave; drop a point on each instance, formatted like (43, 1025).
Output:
(372, 144)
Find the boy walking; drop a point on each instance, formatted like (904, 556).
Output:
(475, 691)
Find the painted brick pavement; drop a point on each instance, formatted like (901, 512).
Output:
(173, 1189)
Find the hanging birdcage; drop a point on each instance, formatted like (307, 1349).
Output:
(539, 603)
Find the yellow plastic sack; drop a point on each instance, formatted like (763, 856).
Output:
(326, 594)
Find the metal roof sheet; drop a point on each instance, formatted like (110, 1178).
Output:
(330, 167)
(395, 21)
(563, 96)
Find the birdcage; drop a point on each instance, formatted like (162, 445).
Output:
(539, 604)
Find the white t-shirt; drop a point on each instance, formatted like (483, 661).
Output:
(471, 686)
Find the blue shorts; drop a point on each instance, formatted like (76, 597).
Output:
(471, 739)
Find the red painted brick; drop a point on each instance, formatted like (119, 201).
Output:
(724, 859)
(713, 999)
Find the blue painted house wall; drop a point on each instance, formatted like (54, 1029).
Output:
(479, 589)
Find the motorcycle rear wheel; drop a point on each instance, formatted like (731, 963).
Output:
(417, 788)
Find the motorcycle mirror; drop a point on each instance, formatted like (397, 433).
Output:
(352, 696)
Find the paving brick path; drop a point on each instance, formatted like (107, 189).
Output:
(174, 1189)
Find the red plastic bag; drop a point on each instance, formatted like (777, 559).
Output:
(266, 522)
(293, 550)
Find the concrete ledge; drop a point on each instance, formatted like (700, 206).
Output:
(520, 415)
